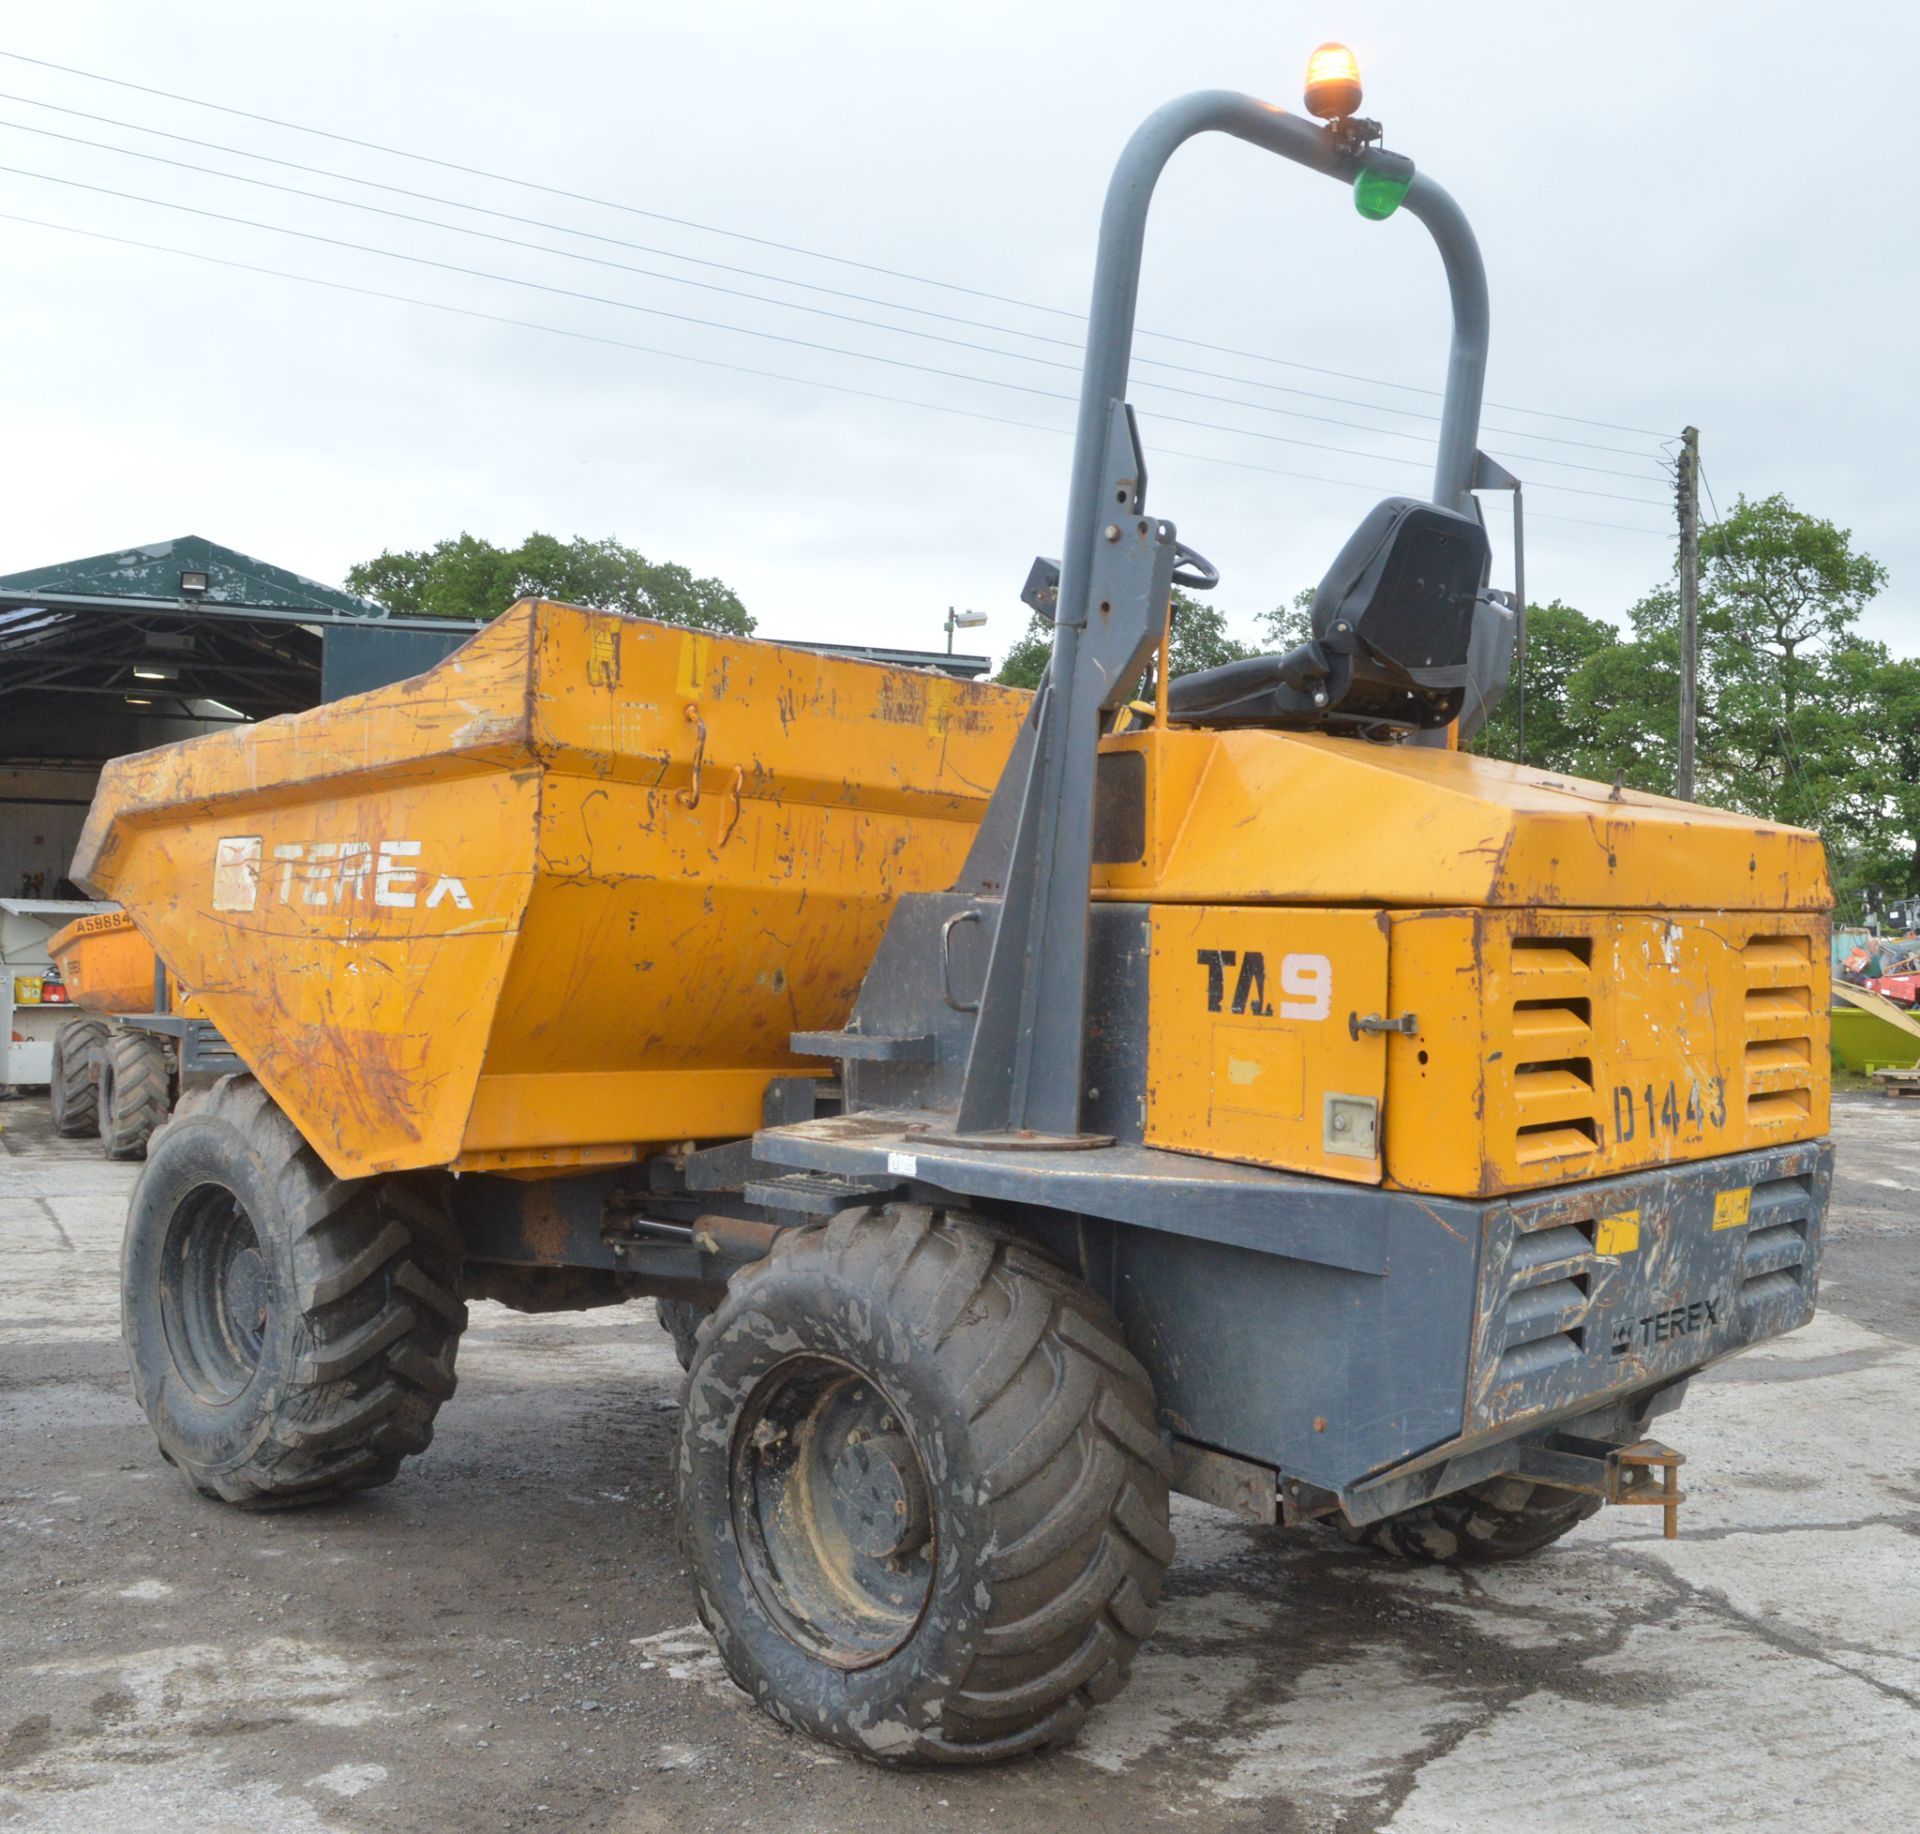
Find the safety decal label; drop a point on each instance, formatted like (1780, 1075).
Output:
(1732, 1208)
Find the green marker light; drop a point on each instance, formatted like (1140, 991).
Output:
(1378, 192)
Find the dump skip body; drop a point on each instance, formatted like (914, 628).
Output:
(106, 964)
(562, 899)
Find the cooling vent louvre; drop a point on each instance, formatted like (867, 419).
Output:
(1778, 1017)
(1557, 1114)
(1549, 1294)
(1773, 1258)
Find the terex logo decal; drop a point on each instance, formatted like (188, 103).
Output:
(1658, 1327)
(326, 873)
(1308, 978)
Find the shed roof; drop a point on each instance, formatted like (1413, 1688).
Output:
(153, 571)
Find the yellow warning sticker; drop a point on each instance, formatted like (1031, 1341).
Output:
(603, 658)
(1732, 1208)
(693, 666)
(1618, 1234)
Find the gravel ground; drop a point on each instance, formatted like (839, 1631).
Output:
(504, 1639)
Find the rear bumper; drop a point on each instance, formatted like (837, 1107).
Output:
(1593, 1299)
(1596, 1289)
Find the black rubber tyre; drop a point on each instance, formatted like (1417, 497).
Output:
(292, 1334)
(73, 1094)
(1505, 1518)
(134, 1093)
(681, 1319)
(922, 1490)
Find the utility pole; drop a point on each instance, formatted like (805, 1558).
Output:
(1687, 501)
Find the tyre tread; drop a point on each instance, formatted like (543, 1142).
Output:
(74, 1095)
(1075, 1472)
(380, 1317)
(138, 1093)
(1478, 1525)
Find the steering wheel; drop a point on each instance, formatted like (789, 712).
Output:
(1193, 570)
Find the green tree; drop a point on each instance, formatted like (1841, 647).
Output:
(1288, 626)
(1622, 705)
(1200, 641)
(1780, 593)
(470, 578)
(1560, 642)
(1879, 814)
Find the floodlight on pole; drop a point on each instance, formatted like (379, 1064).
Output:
(962, 620)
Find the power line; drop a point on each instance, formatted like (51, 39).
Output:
(659, 216)
(950, 318)
(850, 318)
(589, 337)
(1586, 522)
(625, 305)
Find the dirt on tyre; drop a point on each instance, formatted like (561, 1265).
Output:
(922, 1489)
(291, 1334)
(1505, 1518)
(134, 1091)
(72, 1093)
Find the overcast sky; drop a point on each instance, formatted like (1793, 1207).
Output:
(1689, 213)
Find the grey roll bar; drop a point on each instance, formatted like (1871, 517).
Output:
(1116, 564)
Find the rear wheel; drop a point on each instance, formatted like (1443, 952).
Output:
(134, 1091)
(922, 1490)
(1505, 1518)
(292, 1334)
(73, 1093)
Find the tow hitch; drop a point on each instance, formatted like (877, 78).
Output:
(1645, 1473)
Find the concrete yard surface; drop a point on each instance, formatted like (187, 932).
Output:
(504, 1638)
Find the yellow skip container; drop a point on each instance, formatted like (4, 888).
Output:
(560, 900)
(105, 963)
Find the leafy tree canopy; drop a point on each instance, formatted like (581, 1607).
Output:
(1200, 641)
(470, 578)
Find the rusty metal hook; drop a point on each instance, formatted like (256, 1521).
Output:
(689, 798)
(734, 790)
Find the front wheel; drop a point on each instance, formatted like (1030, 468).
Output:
(292, 1334)
(72, 1092)
(922, 1490)
(1505, 1518)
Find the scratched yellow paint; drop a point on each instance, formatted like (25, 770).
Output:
(1560, 1045)
(1584, 981)
(1248, 1032)
(526, 911)
(1296, 818)
(563, 899)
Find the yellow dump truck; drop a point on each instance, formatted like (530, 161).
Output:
(135, 1042)
(1026, 1105)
